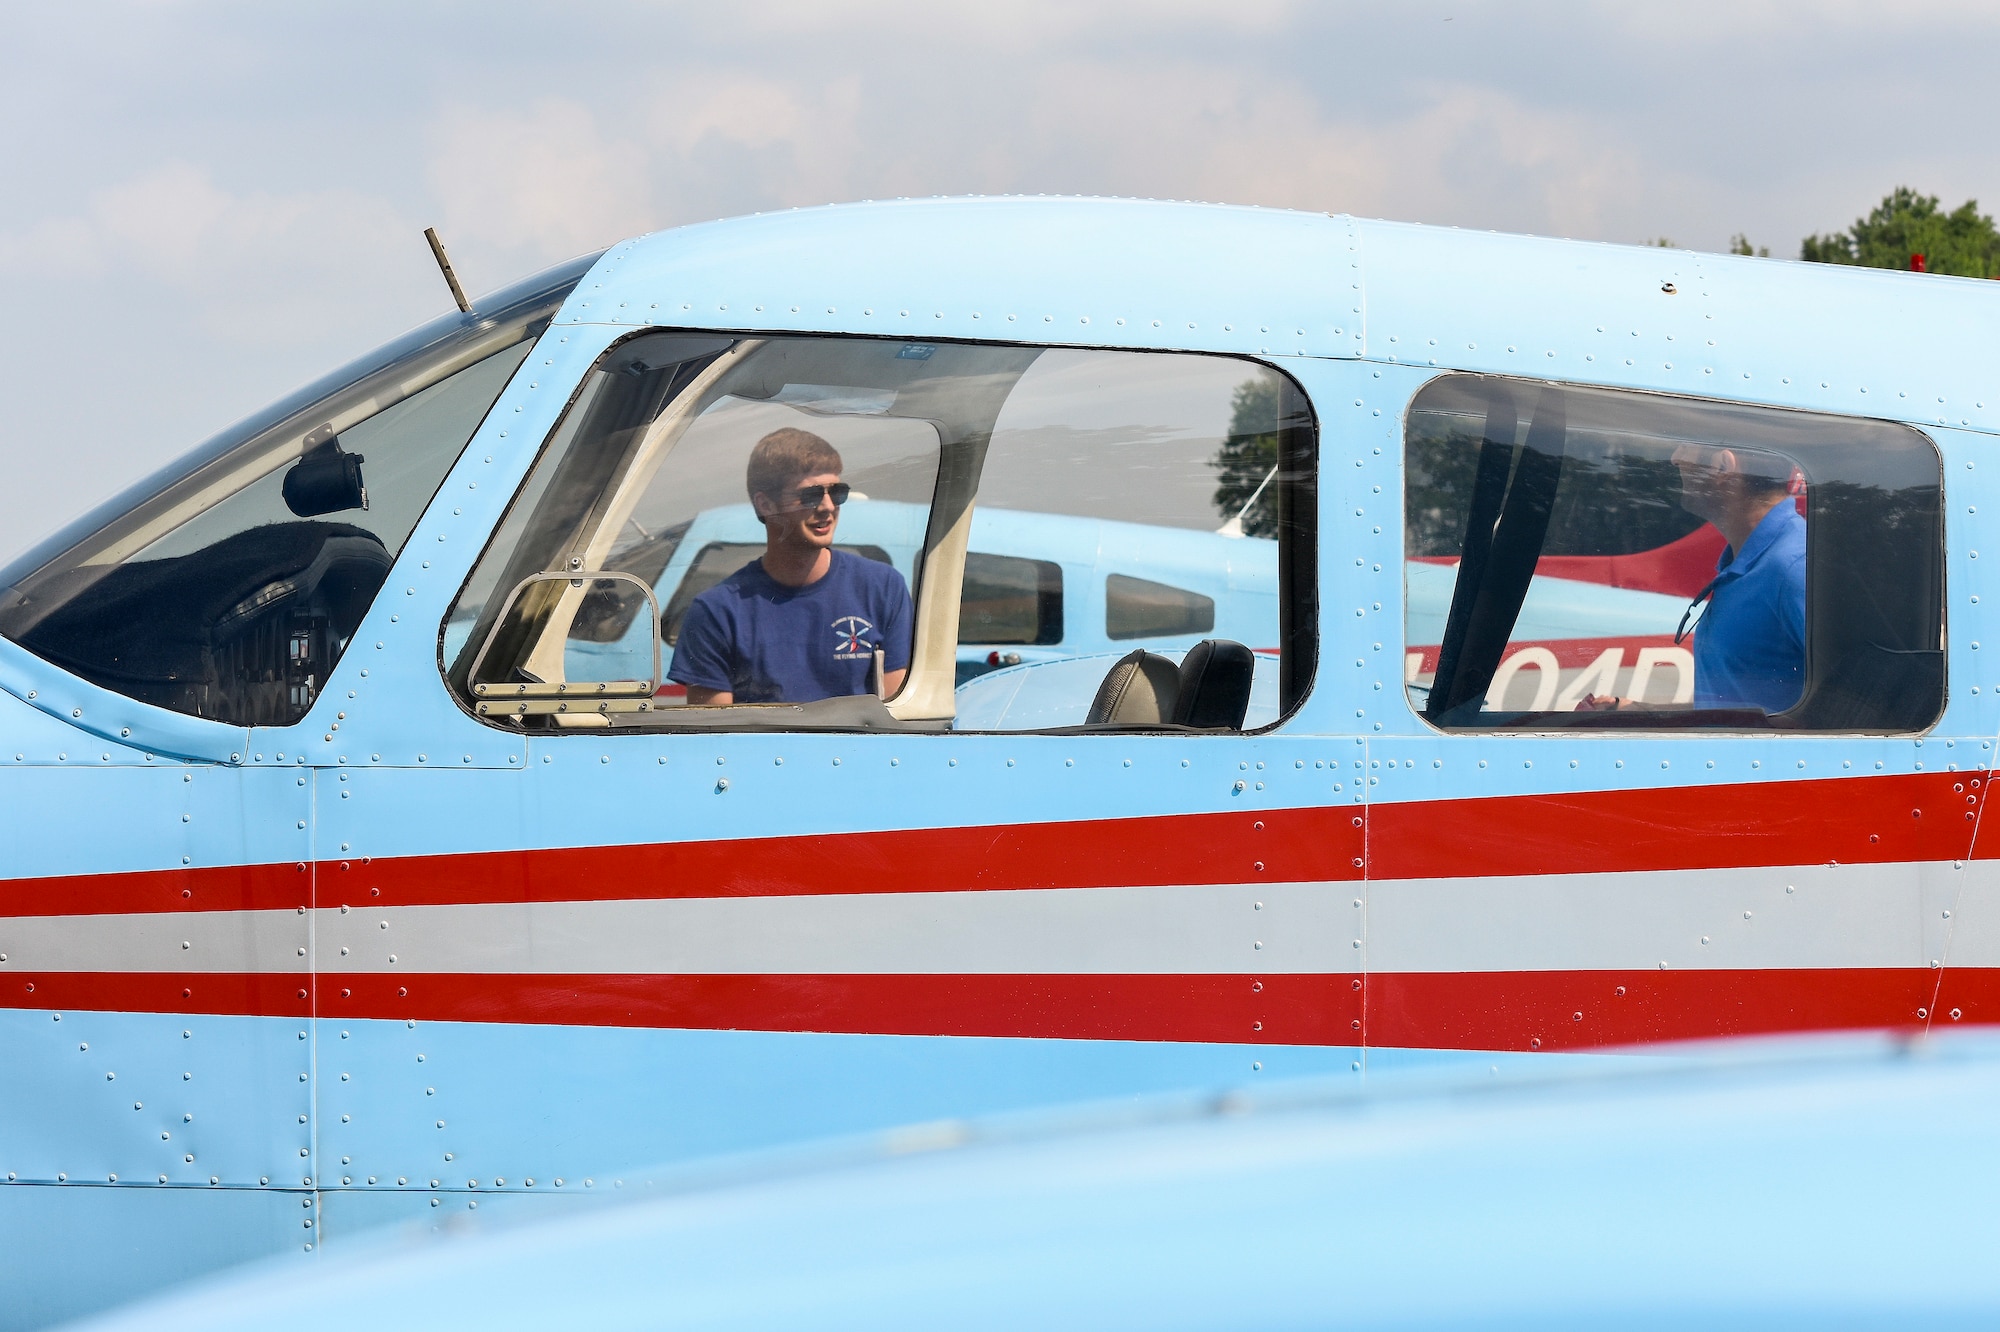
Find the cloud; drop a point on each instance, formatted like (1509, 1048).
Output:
(527, 186)
(251, 264)
(244, 186)
(546, 179)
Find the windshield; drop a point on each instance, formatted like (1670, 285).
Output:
(227, 584)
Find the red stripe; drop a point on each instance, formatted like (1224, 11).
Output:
(228, 994)
(1966, 994)
(1856, 821)
(1280, 846)
(1310, 845)
(1431, 1010)
(1573, 1010)
(1293, 1010)
(281, 887)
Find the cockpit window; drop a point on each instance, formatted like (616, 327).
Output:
(228, 585)
(855, 533)
(1586, 558)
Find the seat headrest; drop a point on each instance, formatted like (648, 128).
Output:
(1140, 690)
(1215, 685)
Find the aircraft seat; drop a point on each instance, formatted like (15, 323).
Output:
(1209, 690)
(1141, 689)
(1215, 685)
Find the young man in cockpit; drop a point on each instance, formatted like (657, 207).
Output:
(804, 621)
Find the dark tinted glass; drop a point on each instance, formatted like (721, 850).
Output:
(1007, 599)
(1141, 608)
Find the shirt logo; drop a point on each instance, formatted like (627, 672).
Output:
(849, 643)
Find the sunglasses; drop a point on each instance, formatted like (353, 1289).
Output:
(808, 497)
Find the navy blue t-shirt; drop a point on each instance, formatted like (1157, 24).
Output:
(768, 643)
(1750, 644)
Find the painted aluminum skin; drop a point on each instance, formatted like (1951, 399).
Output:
(568, 954)
(1794, 1186)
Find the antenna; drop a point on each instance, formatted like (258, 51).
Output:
(1234, 527)
(444, 266)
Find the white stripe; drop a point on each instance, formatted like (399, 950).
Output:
(198, 941)
(1798, 916)
(1803, 917)
(1206, 929)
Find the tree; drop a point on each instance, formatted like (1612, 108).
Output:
(1905, 224)
(1740, 244)
(1248, 455)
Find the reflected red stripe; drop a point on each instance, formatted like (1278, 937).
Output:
(1679, 568)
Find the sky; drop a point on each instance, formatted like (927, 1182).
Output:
(209, 204)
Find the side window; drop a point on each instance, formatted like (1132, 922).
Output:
(1176, 495)
(229, 587)
(680, 458)
(1590, 558)
(860, 533)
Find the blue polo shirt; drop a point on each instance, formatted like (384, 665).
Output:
(768, 643)
(1750, 644)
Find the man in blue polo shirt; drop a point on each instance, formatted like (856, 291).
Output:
(803, 621)
(1750, 644)
(1750, 640)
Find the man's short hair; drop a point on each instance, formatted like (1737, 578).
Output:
(783, 456)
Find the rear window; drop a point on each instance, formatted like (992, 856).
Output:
(1583, 557)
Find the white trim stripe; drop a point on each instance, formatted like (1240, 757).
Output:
(1820, 916)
